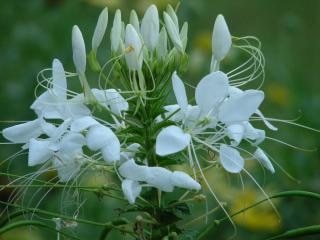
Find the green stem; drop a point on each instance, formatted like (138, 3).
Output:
(296, 193)
(34, 223)
(298, 232)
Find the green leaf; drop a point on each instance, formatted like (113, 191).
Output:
(298, 232)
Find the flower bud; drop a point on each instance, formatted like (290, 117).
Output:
(115, 35)
(100, 29)
(150, 27)
(184, 35)
(79, 50)
(134, 20)
(162, 45)
(221, 38)
(134, 56)
(173, 31)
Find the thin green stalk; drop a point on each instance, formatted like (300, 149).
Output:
(296, 193)
(298, 232)
(34, 223)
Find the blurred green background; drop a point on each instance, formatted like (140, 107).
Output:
(34, 32)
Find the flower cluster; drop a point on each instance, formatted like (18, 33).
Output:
(126, 125)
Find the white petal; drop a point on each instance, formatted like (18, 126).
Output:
(211, 90)
(150, 27)
(79, 50)
(263, 159)
(183, 180)
(48, 128)
(160, 178)
(75, 107)
(100, 29)
(115, 34)
(179, 92)
(116, 102)
(130, 151)
(231, 159)
(234, 91)
(111, 152)
(241, 107)
(178, 116)
(49, 106)
(235, 132)
(23, 132)
(39, 152)
(221, 38)
(83, 123)
(173, 32)
(59, 80)
(99, 136)
(254, 134)
(131, 190)
(72, 143)
(68, 165)
(134, 57)
(170, 140)
(266, 122)
(133, 171)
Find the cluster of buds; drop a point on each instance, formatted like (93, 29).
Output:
(130, 128)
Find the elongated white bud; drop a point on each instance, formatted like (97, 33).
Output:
(134, 20)
(100, 29)
(79, 50)
(162, 45)
(173, 32)
(115, 35)
(173, 15)
(221, 39)
(150, 27)
(184, 35)
(134, 56)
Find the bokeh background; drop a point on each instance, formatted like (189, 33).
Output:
(33, 32)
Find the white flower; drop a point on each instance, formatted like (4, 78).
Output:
(79, 50)
(133, 56)
(150, 27)
(53, 103)
(157, 177)
(210, 92)
(100, 29)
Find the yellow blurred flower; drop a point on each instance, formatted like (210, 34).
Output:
(278, 94)
(203, 42)
(260, 218)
